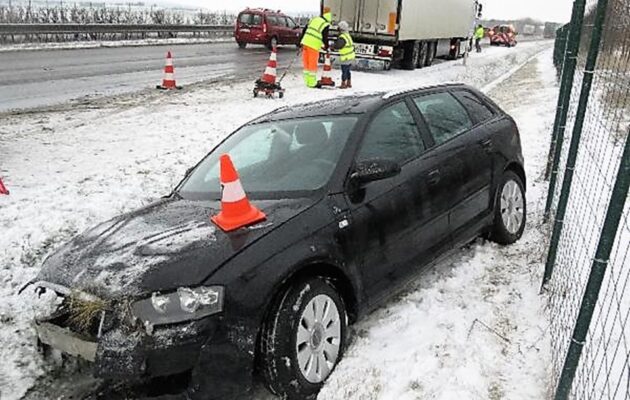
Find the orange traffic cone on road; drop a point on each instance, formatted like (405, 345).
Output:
(168, 82)
(236, 210)
(3, 189)
(327, 73)
(270, 74)
(267, 85)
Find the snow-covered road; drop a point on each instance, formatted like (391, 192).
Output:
(473, 327)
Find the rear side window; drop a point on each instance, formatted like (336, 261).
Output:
(256, 19)
(478, 110)
(273, 20)
(392, 135)
(445, 116)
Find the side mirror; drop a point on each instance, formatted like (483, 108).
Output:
(374, 170)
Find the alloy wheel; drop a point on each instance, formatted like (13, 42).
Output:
(512, 207)
(318, 338)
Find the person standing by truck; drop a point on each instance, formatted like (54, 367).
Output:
(345, 46)
(480, 32)
(314, 37)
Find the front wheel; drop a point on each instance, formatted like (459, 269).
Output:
(510, 210)
(242, 45)
(303, 339)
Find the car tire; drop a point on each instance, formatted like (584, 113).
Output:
(510, 210)
(242, 45)
(273, 42)
(299, 335)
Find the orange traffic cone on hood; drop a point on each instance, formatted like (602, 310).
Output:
(270, 74)
(327, 73)
(236, 210)
(3, 189)
(168, 82)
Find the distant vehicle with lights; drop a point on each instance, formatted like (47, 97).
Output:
(266, 27)
(503, 35)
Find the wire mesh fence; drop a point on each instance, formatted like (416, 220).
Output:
(589, 256)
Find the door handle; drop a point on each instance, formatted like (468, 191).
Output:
(487, 144)
(433, 177)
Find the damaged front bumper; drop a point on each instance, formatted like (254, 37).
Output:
(118, 345)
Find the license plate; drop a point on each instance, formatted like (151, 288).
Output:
(360, 48)
(66, 341)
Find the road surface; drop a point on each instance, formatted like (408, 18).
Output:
(45, 78)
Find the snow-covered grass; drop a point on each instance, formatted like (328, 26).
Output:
(472, 327)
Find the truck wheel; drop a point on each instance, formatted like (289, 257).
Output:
(411, 56)
(424, 52)
(431, 48)
(302, 339)
(455, 47)
(242, 45)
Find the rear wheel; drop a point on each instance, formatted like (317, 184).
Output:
(242, 45)
(273, 42)
(411, 55)
(431, 48)
(510, 210)
(303, 339)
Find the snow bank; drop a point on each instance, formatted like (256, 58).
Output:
(69, 170)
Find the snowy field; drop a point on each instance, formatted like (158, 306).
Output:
(473, 327)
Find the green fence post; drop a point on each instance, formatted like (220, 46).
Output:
(566, 87)
(587, 82)
(598, 271)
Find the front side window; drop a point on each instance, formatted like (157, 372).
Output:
(444, 115)
(285, 156)
(392, 135)
(291, 23)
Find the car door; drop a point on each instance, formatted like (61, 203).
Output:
(384, 213)
(460, 144)
(293, 31)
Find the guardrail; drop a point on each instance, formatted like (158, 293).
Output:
(24, 32)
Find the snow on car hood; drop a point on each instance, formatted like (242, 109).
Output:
(161, 247)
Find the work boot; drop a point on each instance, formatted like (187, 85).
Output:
(349, 84)
(344, 85)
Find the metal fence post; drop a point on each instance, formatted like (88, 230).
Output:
(598, 270)
(587, 82)
(566, 86)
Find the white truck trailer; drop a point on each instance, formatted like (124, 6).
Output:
(409, 33)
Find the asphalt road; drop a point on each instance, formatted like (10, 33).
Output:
(44, 78)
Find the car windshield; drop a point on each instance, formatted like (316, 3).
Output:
(285, 158)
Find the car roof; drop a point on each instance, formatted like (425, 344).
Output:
(360, 103)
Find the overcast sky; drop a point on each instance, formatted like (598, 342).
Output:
(546, 10)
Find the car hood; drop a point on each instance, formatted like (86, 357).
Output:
(161, 247)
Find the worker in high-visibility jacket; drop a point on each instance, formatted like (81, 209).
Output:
(314, 38)
(345, 46)
(480, 32)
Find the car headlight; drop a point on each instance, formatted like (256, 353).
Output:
(185, 304)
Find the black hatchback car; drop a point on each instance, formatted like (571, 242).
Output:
(360, 193)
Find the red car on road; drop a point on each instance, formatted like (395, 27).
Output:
(502, 35)
(267, 27)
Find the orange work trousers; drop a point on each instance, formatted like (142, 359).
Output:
(310, 58)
